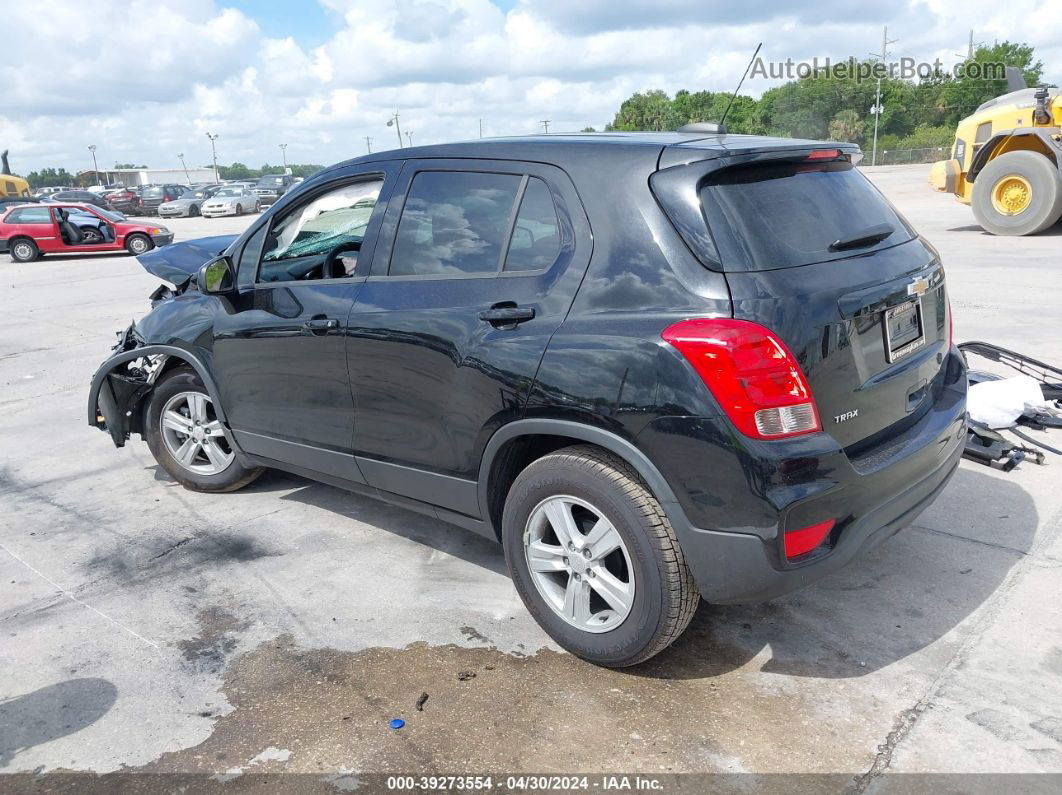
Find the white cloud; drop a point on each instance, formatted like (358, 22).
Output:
(144, 80)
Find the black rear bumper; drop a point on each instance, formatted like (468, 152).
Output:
(870, 499)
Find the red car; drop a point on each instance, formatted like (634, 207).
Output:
(27, 231)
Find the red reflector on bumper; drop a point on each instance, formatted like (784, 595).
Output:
(800, 542)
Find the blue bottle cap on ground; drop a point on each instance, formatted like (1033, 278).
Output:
(397, 723)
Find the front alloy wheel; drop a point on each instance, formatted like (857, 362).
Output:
(193, 435)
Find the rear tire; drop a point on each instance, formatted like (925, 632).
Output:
(199, 435)
(137, 244)
(24, 250)
(1019, 193)
(643, 595)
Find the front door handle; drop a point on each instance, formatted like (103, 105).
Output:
(507, 315)
(321, 325)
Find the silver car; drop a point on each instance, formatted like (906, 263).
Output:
(189, 204)
(231, 200)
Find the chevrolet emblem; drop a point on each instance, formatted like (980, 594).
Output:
(918, 286)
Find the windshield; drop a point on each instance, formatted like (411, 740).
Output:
(228, 192)
(339, 217)
(110, 216)
(782, 215)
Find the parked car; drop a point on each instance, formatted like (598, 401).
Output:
(153, 196)
(14, 201)
(82, 196)
(125, 200)
(28, 231)
(188, 204)
(741, 379)
(48, 191)
(271, 187)
(231, 200)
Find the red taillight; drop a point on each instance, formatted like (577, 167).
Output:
(753, 376)
(824, 154)
(802, 541)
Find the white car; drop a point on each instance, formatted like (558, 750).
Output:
(234, 200)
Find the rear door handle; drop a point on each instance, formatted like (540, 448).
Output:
(319, 325)
(507, 315)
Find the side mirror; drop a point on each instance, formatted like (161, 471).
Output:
(217, 277)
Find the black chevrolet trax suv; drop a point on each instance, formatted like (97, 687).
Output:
(655, 367)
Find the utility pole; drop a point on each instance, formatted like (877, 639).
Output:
(878, 107)
(214, 153)
(969, 49)
(481, 128)
(394, 120)
(545, 124)
(409, 137)
(284, 154)
(95, 169)
(368, 144)
(187, 178)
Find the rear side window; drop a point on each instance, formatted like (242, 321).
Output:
(454, 223)
(535, 243)
(30, 215)
(783, 215)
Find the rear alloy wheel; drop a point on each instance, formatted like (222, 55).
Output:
(186, 436)
(24, 251)
(138, 244)
(1019, 193)
(593, 556)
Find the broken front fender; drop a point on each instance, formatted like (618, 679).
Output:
(123, 382)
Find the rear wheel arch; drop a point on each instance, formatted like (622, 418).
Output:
(515, 446)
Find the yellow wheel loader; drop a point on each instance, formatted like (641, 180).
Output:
(1007, 160)
(10, 185)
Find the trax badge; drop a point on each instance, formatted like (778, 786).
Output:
(848, 415)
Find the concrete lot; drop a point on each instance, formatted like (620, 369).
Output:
(146, 628)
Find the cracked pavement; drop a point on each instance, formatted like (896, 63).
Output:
(150, 630)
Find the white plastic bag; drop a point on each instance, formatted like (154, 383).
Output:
(998, 404)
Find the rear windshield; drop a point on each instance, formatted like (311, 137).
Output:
(152, 193)
(782, 215)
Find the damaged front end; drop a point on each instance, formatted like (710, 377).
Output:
(171, 334)
(118, 394)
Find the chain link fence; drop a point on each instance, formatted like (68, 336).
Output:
(897, 157)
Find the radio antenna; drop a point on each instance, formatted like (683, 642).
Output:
(733, 96)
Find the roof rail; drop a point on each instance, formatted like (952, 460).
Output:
(703, 127)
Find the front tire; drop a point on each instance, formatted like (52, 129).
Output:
(187, 439)
(24, 250)
(1019, 193)
(594, 558)
(137, 244)
(193, 212)
(239, 209)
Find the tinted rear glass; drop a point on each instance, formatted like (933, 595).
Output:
(152, 193)
(786, 214)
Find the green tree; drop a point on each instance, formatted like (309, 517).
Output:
(847, 125)
(649, 111)
(48, 177)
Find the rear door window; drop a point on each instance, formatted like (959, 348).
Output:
(454, 223)
(787, 214)
(535, 243)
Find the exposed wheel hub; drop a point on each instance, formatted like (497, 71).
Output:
(1011, 195)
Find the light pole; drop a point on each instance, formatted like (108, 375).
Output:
(95, 168)
(481, 128)
(368, 144)
(214, 152)
(409, 137)
(545, 124)
(284, 154)
(394, 121)
(184, 165)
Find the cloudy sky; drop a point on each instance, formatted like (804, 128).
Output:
(144, 80)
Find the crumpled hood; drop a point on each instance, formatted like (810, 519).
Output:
(178, 262)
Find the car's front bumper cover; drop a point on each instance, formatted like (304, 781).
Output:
(163, 239)
(3, 245)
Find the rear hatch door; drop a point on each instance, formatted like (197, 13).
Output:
(814, 252)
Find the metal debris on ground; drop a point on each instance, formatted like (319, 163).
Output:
(1032, 399)
(464, 676)
(420, 702)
